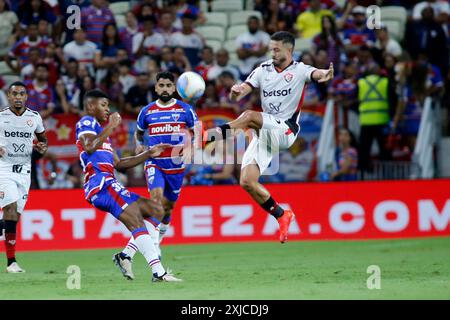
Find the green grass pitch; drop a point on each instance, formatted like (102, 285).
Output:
(410, 269)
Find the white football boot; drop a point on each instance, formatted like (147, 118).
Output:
(14, 268)
(166, 277)
(124, 265)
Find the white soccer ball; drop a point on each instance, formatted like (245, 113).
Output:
(190, 85)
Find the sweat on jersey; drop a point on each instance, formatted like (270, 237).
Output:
(98, 167)
(16, 137)
(282, 91)
(167, 124)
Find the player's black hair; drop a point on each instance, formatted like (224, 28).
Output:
(253, 18)
(95, 94)
(165, 75)
(284, 37)
(17, 84)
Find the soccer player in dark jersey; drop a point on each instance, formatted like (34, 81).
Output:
(101, 188)
(167, 121)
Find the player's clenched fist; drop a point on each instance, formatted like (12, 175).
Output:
(115, 119)
(41, 147)
(236, 90)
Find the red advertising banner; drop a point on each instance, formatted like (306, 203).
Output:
(324, 211)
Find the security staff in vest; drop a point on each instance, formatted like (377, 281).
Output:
(373, 115)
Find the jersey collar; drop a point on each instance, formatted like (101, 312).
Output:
(167, 105)
(281, 70)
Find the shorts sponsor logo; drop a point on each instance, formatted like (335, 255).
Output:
(17, 134)
(277, 93)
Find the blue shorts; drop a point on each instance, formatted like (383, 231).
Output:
(113, 198)
(170, 183)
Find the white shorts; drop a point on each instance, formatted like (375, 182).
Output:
(274, 136)
(14, 188)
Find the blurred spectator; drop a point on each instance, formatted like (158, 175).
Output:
(309, 22)
(329, 40)
(106, 55)
(386, 44)
(206, 62)
(9, 28)
(20, 49)
(181, 8)
(222, 64)
(165, 27)
(276, 18)
(111, 85)
(33, 58)
(226, 81)
(34, 11)
(210, 98)
(147, 44)
(126, 33)
(125, 77)
(139, 95)
(439, 8)
(61, 98)
(75, 174)
(252, 46)
(53, 59)
(94, 19)
(357, 34)
(82, 50)
(373, 115)
(188, 39)
(167, 62)
(70, 80)
(146, 8)
(427, 36)
(86, 83)
(181, 61)
(41, 97)
(346, 157)
(35, 157)
(296, 162)
(313, 100)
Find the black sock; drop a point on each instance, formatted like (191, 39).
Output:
(272, 207)
(224, 129)
(10, 230)
(1, 226)
(11, 260)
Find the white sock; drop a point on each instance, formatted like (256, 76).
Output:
(162, 230)
(131, 248)
(145, 245)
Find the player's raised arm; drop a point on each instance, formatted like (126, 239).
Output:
(130, 162)
(323, 75)
(91, 142)
(239, 91)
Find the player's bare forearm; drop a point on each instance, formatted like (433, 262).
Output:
(42, 145)
(239, 91)
(130, 162)
(323, 75)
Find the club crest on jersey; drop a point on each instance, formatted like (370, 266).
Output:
(30, 123)
(175, 116)
(288, 77)
(107, 146)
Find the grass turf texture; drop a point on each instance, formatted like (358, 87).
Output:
(410, 269)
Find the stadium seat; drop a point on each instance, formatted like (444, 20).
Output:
(395, 29)
(120, 7)
(212, 32)
(249, 4)
(203, 6)
(10, 79)
(216, 19)
(302, 44)
(215, 44)
(226, 5)
(234, 59)
(241, 17)
(120, 20)
(394, 13)
(230, 45)
(340, 3)
(5, 69)
(234, 31)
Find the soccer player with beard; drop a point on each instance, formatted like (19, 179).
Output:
(167, 121)
(282, 82)
(19, 125)
(102, 190)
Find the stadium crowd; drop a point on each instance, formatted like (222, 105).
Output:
(379, 88)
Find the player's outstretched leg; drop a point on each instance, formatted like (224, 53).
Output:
(133, 220)
(249, 181)
(10, 219)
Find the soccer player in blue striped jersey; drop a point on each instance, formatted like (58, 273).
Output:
(102, 189)
(167, 120)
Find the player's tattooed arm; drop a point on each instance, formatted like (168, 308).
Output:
(42, 145)
(238, 91)
(323, 75)
(91, 142)
(130, 162)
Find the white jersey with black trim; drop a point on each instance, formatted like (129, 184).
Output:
(282, 91)
(16, 137)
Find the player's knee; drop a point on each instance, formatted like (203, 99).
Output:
(132, 219)
(10, 212)
(248, 184)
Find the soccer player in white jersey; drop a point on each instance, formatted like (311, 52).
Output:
(281, 81)
(18, 127)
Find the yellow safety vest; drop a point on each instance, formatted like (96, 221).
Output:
(373, 100)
